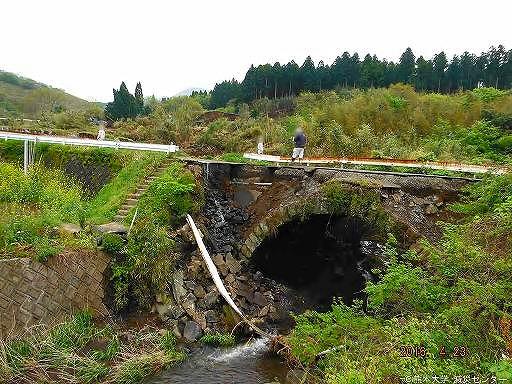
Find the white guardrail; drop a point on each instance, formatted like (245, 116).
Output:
(342, 161)
(89, 142)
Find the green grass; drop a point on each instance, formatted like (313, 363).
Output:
(79, 351)
(105, 204)
(34, 204)
(218, 339)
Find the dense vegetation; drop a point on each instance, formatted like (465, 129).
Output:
(454, 297)
(396, 122)
(79, 351)
(492, 68)
(35, 205)
(125, 105)
(142, 265)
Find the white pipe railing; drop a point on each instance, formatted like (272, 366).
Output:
(469, 168)
(167, 148)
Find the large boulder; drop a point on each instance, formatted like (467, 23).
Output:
(192, 331)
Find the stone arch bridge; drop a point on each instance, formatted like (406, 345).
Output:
(263, 227)
(247, 203)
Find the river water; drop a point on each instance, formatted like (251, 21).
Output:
(249, 363)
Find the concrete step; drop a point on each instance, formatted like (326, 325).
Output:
(119, 218)
(128, 206)
(134, 196)
(130, 200)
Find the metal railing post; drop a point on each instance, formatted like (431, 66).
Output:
(25, 156)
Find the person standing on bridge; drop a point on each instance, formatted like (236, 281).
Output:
(299, 141)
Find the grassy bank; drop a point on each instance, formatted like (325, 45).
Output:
(35, 205)
(440, 310)
(80, 351)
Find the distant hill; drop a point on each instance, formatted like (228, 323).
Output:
(188, 91)
(16, 91)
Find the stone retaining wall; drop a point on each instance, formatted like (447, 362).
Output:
(33, 292)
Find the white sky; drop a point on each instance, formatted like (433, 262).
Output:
(89, 47)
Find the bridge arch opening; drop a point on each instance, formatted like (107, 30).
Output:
(319, 258)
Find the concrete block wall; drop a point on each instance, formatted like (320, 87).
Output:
(33, 292)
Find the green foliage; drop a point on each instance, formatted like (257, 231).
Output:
(168, 341)
(488, 94)
(107, 201)
(32, 206)
(150, 253)
(170, 196)
(113, 243)
(218, 339)
(362, 203)
(125, 105)
(452, 294)
(78, 351)
(141, 270)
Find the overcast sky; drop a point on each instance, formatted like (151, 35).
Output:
(89, 47)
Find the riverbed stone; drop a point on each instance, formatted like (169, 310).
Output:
(174, 311)
(211, 316)
(296, 376)
(233, 264)
(431, 209)
(178, 288)
(263, 311)
(192, 331)
(199, 292)
(259, 299)
(210, 299)
(244, 291)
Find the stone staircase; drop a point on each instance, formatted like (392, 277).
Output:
(132, 199)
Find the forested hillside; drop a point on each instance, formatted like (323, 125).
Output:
(22, 97)
(437, 74)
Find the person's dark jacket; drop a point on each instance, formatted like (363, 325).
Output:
(300, 140)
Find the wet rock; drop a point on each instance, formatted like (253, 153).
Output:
(194, 268)
(296, 376)
(259, 299)
(230, 279)
(192, 331)
(244, 291)
(218, 260)
(263, 312)
(174, 311)
(211, 316)
(175, 329)
(191, 285)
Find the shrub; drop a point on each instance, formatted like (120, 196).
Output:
(113, 243)
(451, 294)
(218, 339)
(170, 196)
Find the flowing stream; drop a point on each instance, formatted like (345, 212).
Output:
(248, 363)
